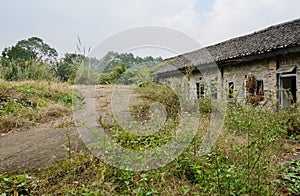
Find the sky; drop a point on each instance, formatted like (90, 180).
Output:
(60, 22)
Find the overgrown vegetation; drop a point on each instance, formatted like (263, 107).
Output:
(26, 103)
(246, 159)
(20, 70)
(126, 69)
(291, 177)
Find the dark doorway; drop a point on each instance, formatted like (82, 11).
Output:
(288, 90)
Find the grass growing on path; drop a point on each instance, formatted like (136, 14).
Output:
(23, 104)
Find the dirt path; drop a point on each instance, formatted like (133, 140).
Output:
(45, 144)
(36, 147)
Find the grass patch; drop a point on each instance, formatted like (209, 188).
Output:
(26, 103)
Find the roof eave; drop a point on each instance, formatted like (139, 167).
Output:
(258, 56)
(223, 63)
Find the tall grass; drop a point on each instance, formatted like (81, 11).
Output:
(18, 70)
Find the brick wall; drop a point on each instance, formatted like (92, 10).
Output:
(264, 70)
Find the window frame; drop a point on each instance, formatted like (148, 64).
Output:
(256, 91)
(213, 89)
(200, 89)
(257, 88)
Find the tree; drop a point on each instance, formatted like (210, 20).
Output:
(142, 76)
(114, 59)
(33, 48)
(17, 52)
(114, 76)
(73, 58)
(66, 69)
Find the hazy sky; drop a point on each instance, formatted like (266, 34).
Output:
(59, 22)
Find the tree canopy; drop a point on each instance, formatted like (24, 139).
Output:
(68, 66)
(32, 48)
(114, 59)
(33, 57)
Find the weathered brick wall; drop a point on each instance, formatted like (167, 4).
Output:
(193, 80)
(261, 70)
(207, 78)
(273, 89)
(237, 73)
(298, 83)
(264, 70)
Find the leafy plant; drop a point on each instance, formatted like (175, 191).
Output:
(291, 177)
(17, 184)
(20, 70)
(246, 159)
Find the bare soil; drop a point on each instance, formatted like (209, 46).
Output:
(36, 147)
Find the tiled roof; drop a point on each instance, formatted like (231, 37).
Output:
(273, 38)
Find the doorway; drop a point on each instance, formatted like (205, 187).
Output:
(287, 83)
(288, 90)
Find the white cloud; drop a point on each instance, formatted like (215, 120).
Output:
(59, 22)
(231, 18)
(171, 13)
(187, 21)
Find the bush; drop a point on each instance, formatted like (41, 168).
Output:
(292, 120)
(19, 70)
(66, 72)
(85, 75)
(105, 78)
(205, 105)
(154, 92)
(291, 177)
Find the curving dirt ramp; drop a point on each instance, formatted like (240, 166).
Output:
(43, 145)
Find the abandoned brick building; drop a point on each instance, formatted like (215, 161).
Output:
(270, 56)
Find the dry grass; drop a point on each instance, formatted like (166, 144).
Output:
(26, 103)
(10, 122)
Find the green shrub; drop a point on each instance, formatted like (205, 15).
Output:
(20, 70)
(17, 184)
(154, 92)
(205, 105)
(291, 177)
(292, 123)
(105, 78)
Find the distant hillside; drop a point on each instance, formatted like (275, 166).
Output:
(113, 59)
